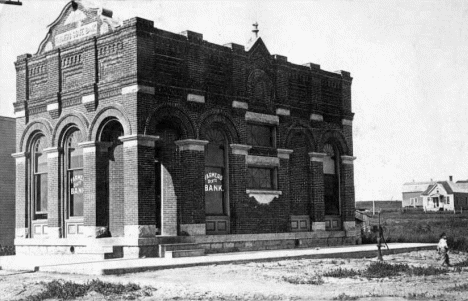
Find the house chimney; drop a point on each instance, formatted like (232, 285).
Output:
(450, 178)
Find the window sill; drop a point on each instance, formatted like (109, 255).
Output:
(263, 196)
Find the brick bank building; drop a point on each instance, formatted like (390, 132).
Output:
(137, 139)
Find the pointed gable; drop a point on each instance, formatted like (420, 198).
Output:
(258, 52)
(77, 21)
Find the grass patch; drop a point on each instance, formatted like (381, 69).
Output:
(382, 269)
(307, 279)
(425, 228)
(342, 273)
(68, 290)
(344, 297)
(458, 288)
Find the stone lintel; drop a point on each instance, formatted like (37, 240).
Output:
(52, 152)
(20, 155)
(262, 161)
(52, 106)
(284, 153)
(196, 98)
(240, 105)
(92, 146)
(283, 112)
(348, 159)
(347, 122)
(316, 117)
(240, 149)
(262, 118)
(138, 139)
(138, 88)
(20, 114)
(87, 98)
(191, 144)
(316, 157)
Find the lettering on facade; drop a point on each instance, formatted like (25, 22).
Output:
(75, 34)
(76, 184)
(213, 182)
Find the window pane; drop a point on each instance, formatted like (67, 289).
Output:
(331, 199)
(76, 158)
(214, 155)
(214, 190)
(40, 185)
(260, 135)
(76, 192)
(260, 178)
(41, 162)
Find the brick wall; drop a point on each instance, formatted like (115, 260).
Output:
(150, 81)
(7, 181)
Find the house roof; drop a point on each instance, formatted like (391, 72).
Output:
(429, 189)
(416, 186)
(459, 187)
(450, 187)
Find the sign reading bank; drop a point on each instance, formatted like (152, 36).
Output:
(213, 181)
(76, 34)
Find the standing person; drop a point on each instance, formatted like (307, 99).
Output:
(443, 248)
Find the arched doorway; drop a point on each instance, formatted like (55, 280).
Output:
(110, 206)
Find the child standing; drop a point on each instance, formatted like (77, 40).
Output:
(442, 248)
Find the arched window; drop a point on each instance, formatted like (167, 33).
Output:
(216, 181)
(39, 179)
(331, 180)
(73, 159)
(215, 164)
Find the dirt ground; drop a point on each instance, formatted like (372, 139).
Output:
(267, 281)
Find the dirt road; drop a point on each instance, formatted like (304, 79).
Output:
(276, 280)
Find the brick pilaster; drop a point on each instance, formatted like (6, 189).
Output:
(347, 188)
(54, 204)
(139, 190)
(21, 195)
(191, 204)
(238, 184)
(94, 156)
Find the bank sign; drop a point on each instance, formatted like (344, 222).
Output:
(76, 184)
(213, 182)
(76, 34)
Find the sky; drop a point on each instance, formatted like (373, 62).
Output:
(409, 61)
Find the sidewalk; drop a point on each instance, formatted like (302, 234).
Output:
(76, 264)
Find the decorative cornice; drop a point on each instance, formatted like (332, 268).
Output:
(284, 153)
(52, 152)
(262, 118)
(138, 139)
(240, 149)
(316, 117)
(283, 112)
(191, 144)
(348, 159)
(20, 155)
(196, 98)
(316, 157)
(138, 88)
(262, 161)
(240, 105)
